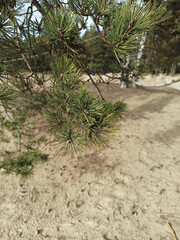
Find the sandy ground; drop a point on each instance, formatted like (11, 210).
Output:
(127, 191)
(144, 80)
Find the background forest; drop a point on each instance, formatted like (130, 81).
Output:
(160, 55)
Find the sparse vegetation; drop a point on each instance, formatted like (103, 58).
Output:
(22, 164)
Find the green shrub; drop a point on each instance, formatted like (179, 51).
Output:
(23, 164)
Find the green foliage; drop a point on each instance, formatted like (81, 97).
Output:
(66, 74)
(18, 119)
(42, 139)
(37, 102)
(8, 3)
(92, 7)
(22, 164)
(5, 21)
(129, 21)
(6, 95)
(60, 25)
(77, 116)
(62, 238)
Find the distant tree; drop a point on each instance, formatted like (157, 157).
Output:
(99, 55)
(162, 49)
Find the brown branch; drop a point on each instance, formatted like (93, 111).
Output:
(101, 78)
(38, 6)
(20, 48)
(61, 34)
(96, 21)
(28, 31)
(17, 43)
(99, 91)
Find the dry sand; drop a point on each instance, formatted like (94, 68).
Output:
(127, 191)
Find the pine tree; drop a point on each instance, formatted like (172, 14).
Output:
(99, 55)
(162, 49)
(75, 115)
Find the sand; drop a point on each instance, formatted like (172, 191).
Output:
(127, 191)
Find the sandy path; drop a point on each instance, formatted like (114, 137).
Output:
(128, 191)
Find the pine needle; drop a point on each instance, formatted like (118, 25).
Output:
(172, 230)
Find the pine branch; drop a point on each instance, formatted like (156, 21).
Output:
(38, 6)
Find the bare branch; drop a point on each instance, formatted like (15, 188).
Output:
(92, 80)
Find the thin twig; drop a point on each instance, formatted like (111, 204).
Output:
(19, 141)
(28, 31)
(20, 48)
(38, 6)
(99, 91)
(172, 230)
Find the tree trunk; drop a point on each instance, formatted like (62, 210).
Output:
(173, 69)
(139, 56)
(125, 73)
